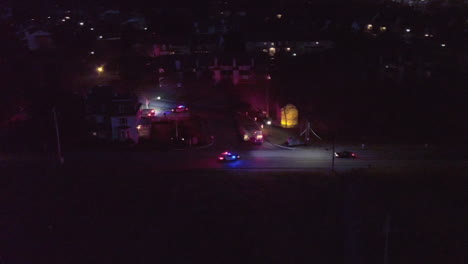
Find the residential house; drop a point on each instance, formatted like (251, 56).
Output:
(286, 44)
(112, 116)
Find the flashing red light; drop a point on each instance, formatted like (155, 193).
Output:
(221, 158)
(152, 111)
(225, 153)
(352, 154)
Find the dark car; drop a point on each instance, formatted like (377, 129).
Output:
(345, 154)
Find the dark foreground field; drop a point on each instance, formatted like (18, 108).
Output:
(139, 215)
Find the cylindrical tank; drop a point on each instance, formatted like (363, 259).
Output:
(289, 116)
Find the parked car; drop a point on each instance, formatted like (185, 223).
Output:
(180, 109)
(147, 112)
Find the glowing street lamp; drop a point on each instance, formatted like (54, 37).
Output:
(100, 69)
(81, 23)
(159, 97)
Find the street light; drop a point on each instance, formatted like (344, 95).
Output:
(159, 97)
(100, 69)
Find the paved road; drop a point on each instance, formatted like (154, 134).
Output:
(260, 159)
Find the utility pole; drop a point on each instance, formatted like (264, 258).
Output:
(176, 130)
(59, 148)
(387, 233)
(333, 154)
(267, 95)
(309, 129)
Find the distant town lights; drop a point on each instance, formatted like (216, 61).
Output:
(426, 35)
(288, 49)
(91, 29)
(316, 42)
(279, 16)
(145, 28)
(442, 45)
(92, 52)
(294, 54)
(81, 23)
(408, 30)
(159, 97)
(383, 28)
(63, 20)
(100, 37)
(369, 27)
(67, 17)
(100, 69)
